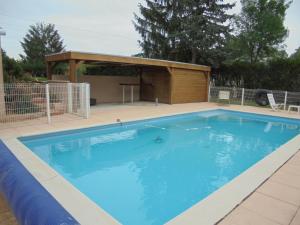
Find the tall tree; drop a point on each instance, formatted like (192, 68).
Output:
(261, 29)
(296, 54)
(205, 29)
(183, 30)
(159, 28)
(41, 39)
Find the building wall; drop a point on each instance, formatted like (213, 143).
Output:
(188, 86)
(169, 86)
(107, 89)
(155, 83)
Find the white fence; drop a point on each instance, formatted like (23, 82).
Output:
(26, 101)
(243, 96)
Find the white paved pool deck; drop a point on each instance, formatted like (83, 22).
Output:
(275, 201)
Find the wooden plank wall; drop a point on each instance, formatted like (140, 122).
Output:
(188, 86)
(155, 83)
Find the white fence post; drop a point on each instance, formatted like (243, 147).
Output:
(285, 100)
(70, 97)
(123, 93)
(81, 98)
(87, 100)
(208, 94)
(243, 96)
(48, 103)
(132, 94)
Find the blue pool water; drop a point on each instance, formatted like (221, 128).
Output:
(148, 172)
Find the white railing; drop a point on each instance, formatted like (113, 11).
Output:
(27, 101)
(243, 96)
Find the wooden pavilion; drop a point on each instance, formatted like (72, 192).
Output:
(169, 82)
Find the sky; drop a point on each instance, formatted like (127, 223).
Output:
(101, 26)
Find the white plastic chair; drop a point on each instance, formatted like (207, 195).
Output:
(273, 104)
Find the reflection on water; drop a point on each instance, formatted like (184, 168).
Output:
(149, 173)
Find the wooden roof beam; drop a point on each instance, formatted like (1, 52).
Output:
(65, 56)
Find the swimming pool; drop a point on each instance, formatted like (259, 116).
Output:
(150, 171)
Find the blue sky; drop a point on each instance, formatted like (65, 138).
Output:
(103, 26)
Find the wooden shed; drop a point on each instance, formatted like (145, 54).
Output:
(168, 81)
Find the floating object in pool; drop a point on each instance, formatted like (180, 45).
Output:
(119, 121)
(158, 139)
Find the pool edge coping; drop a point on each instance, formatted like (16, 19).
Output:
(50, 178)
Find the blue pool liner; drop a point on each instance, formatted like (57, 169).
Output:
(31, 203)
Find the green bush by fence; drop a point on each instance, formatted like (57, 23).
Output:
(278, 74)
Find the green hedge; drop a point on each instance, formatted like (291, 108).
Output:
(279, 74)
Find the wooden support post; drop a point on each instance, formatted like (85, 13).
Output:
(171, 91)
(72, 71)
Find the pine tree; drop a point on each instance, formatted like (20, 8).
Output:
(183, 30)
(158, 27)
(41, 39)
(205, 30)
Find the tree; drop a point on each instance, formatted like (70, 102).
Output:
(183, 30)
(275, 74)
(41, 39)
(159, 27)
(296, 54)
(205, 30)
(12, 68)
(261, 29)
